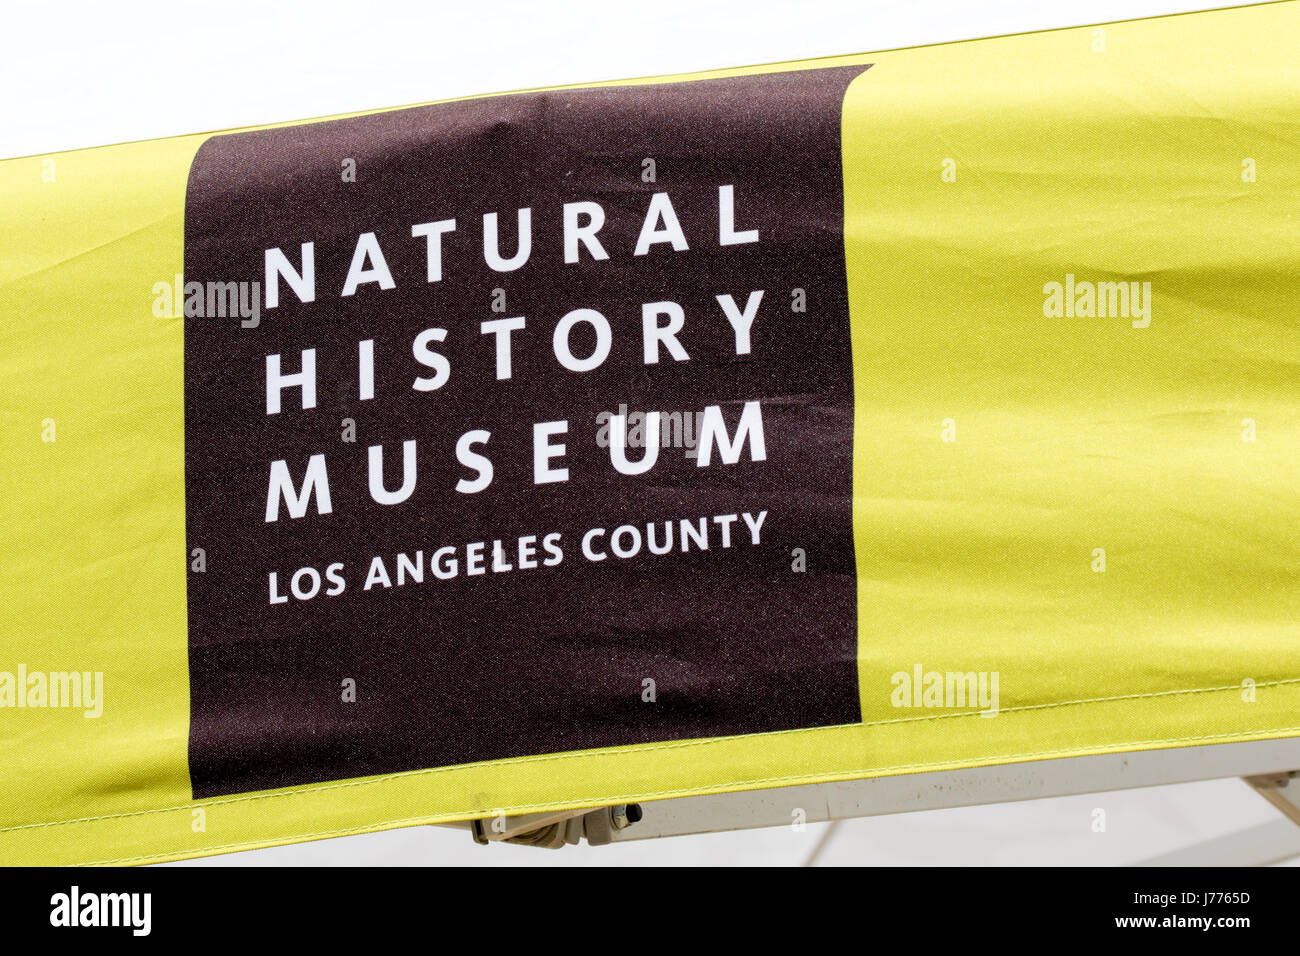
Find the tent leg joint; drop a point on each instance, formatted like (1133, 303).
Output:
(554, 830)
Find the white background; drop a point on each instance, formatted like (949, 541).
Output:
(87, 74)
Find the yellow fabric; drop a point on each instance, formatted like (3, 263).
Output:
(1106, 156)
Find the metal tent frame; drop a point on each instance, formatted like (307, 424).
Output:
(1267, 765)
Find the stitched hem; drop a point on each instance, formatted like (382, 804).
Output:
(651, 748)
(450, 816)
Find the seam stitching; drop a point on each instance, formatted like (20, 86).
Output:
(608, 752)
(828, 778)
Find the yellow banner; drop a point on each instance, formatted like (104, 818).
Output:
(972, 371)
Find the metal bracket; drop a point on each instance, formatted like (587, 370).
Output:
(554, 830)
